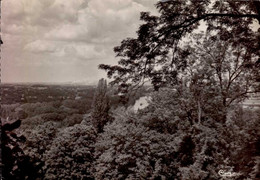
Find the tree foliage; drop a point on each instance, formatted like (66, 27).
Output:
(71, 153)
(40, 138)
(205, 75)
(128, 150)
(231, 146)
(217, 74)
(157, 54)
(132, 148)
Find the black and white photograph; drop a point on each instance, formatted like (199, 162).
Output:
(130, 89)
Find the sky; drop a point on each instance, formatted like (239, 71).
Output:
(58, 41)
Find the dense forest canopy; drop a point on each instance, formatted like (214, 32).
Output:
(157, 54)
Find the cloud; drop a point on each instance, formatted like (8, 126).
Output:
(101, 20)
(81, 52)
(74, 51)
(81, 20)
(42, 12)
(53, 33)
(40, 46)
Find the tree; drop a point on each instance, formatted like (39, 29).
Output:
(157, 55)
(39, 139)
(217, 74)
(71, 153)
(100, 106)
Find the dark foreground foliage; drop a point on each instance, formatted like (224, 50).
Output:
(15, 163)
